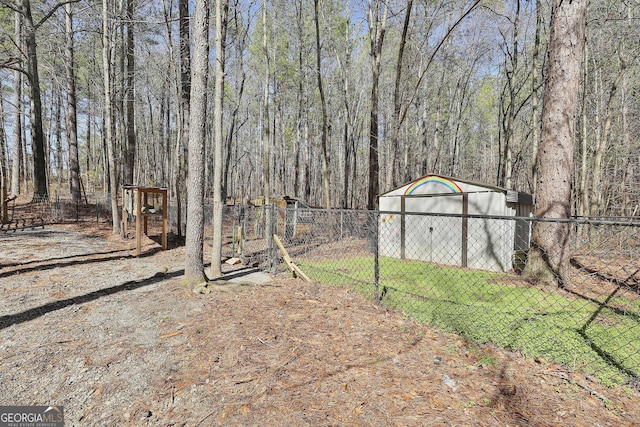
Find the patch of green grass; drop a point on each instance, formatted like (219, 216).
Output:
(487, 360)
(483, 307)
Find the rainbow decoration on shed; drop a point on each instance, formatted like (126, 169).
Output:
(449, 184)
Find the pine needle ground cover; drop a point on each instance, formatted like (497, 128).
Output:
(594, 335)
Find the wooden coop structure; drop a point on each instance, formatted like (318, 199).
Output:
(293, 218)
(144, 203)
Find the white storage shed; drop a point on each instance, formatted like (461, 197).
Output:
(456, 222)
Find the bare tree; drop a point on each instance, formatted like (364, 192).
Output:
(37, 133)
(535, 92)
(597, 203)
(266, 132)
(377, 28)
(241, 34)
(222, 7)
(130, 151)
(397, 100)
(4, 218)
(30, 27)
(194, 265)
(325, 120)
(17, 115)
(71, 116)
(107, 65)
(556, 155)
(508, 107)
(184, 109)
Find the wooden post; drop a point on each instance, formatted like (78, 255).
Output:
(295, 270)
(125, 217)
(165, 219)
(145, 203)
(138, 221)
(4, 212)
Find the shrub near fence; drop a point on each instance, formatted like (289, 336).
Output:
(591, 325)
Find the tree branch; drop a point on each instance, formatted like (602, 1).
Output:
(10, 64)
(434, 53)
(52, 11)
(10, 5)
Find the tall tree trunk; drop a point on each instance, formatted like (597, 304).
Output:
(17, 117)
(130, 152)
(230, 139)
(301, 113)
(345, 67)
(397, 103)
(556, 158)
(107, 66)
(508, 109)
(58, 135)
(228, 183)
(91, 157)
(307, 159)
(40, 188)
(71, 116)
(626, 208)
(535, 93)
(266, 140)
(4, 218)
(602, 144)
(194, 264)
(583, 191)
(377, 29)
(437, 163)
(325, 120)
(221, 33)
(182, 151)
(234, 119)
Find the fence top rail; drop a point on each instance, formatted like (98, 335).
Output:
(615, 221)
(630, 222)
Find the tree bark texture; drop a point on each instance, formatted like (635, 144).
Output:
(107, 66)
(4, 218)
(221, 32)
(396, 122)
(130, 152)
(17, 116)
(182, 151)
(325, 119)
(194, 264)
(377, 29)
(71, 116)
(40, 188)
(556, 155)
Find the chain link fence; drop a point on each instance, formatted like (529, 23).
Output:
(57, 208)
(465, 274)
(460, 273)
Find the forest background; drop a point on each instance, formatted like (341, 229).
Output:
(334, 102)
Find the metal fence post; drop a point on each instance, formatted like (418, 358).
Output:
(270, 218)
(243, 231)
(376, 256)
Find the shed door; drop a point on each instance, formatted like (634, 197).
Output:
(434, 238)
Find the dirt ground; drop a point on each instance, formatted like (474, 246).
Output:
(118, 341)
